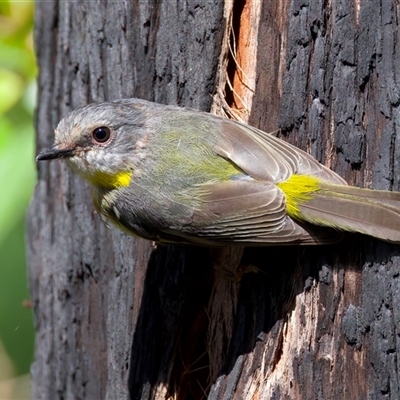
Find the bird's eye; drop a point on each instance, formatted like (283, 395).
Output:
(101, 135)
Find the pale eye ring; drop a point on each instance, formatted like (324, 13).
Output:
(101, 135)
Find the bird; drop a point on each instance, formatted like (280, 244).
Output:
(178, 175)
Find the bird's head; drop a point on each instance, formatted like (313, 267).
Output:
(103, 142)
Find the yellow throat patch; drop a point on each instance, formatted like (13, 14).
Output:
(110, 181)
(297, 190)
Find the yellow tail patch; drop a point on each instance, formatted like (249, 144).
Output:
(298, 189)
(111, 181)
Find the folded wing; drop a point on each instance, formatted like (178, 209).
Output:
(266, 157)
(246, 213)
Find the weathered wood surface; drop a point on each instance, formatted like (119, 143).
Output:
(287, 323)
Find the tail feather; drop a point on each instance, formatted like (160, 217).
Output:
(371, 212)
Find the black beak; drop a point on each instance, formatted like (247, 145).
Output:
(56, 151)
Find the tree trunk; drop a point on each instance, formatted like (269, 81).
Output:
(118, 317)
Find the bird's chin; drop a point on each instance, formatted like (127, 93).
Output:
(78, 165)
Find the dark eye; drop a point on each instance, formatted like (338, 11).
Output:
(101, 134)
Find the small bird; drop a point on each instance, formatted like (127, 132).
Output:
(171, 174)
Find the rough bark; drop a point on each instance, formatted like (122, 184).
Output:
(189, 323)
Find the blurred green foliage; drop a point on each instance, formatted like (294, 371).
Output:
(17, 176)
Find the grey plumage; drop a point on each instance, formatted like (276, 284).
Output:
(172, 174)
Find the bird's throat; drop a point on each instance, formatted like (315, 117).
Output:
(109, 181)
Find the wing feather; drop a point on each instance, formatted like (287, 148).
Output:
(266, 157)
(245, 213)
